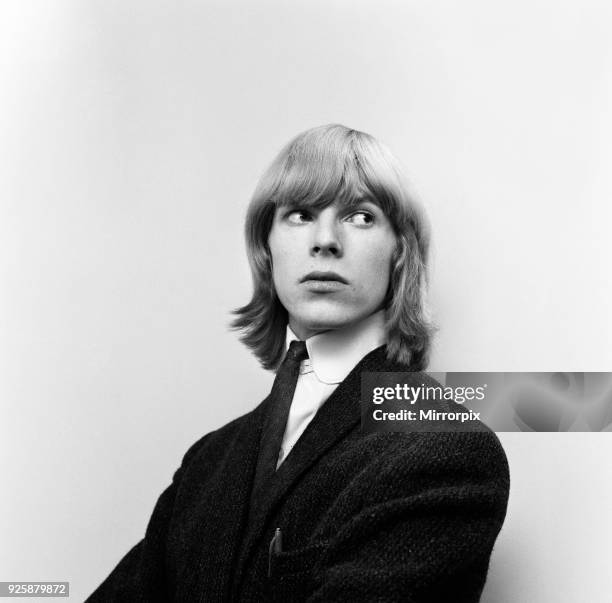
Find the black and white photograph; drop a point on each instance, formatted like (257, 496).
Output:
(306, 301)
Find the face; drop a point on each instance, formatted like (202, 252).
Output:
(330, 266)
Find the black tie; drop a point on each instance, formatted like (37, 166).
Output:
(276, 422)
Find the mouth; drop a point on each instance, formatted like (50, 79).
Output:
(324, 277)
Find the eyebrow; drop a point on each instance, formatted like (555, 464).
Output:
(362, 200)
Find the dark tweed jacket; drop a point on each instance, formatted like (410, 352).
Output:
(386, 517)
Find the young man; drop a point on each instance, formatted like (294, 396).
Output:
(292, 501)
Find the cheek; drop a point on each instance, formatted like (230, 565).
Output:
(378, 260)
(274, 246)
(282, 246)
(279, 276)
(283, 271)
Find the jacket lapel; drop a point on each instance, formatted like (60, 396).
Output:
(334, 420)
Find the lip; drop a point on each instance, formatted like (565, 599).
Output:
(324, 277)
(318, 286)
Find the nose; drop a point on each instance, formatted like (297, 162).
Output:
(327, 235)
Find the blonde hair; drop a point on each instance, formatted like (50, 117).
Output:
(320, 166)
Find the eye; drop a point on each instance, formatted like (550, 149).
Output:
(298, 216)
(361, 218)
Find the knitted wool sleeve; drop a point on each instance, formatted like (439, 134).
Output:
(427, 528)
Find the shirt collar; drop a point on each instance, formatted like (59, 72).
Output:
(335, 353)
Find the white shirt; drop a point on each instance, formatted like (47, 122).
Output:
(331, 357)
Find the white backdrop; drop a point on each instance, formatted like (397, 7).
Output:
(131, 136)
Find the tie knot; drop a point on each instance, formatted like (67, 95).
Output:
(297, 351)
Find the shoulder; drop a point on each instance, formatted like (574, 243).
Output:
(466, 452)
(474, 448)
(451, 456)
(446, 445)
(449, 466)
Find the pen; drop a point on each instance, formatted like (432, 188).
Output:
(276, 546)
